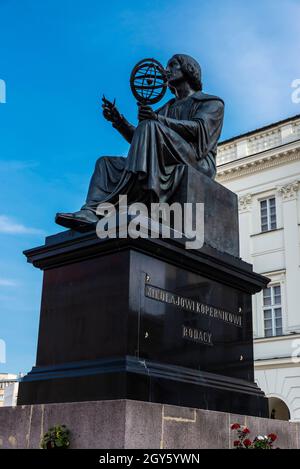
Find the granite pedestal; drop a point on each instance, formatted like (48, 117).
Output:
(124, 424)
(147, 319)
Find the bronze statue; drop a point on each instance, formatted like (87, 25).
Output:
(184, 131)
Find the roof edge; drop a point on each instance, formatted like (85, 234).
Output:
(260, 129)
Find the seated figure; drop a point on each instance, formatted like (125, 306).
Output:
(184, 131)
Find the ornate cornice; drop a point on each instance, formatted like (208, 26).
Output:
(245, 202)
(290, 190)
(259, 162)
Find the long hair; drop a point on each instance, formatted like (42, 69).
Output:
(191, 69)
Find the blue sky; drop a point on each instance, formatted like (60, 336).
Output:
(57, 57)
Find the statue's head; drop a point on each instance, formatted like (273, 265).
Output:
(182, 67)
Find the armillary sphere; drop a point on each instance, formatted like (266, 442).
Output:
(148, 81)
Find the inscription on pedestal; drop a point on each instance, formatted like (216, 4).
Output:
(197, 335)
(192, 305)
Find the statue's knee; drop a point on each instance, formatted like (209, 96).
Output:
(144, 123)
(148, 123)
(102, 160)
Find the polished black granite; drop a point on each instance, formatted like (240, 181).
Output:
(129, 318)
(147, 319)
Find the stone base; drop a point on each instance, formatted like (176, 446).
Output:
(144, 320)
(135, 425)
(148, 319)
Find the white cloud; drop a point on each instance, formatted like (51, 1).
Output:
(17, 165)
(9, 226)
(248, 52)
(5, 282)
(256, 60)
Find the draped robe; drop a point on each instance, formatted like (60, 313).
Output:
(186, 132)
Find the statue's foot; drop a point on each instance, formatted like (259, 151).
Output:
(83, 220)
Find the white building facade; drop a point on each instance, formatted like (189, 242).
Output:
(9, 386)
(263, 168)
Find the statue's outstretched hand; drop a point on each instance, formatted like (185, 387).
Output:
(110, 111)
(146, 113)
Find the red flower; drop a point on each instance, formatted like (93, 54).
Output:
(247, 442)
(272, 436)
(236, 443)
(246, 431)
(235, 426)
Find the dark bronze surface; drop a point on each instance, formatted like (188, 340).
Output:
(148, 81)
(148, 319)
(183, 132)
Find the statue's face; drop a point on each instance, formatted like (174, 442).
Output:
(174, 72)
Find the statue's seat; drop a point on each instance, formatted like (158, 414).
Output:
(220, 209)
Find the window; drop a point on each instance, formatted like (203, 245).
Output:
(268, 214)
(272, 311)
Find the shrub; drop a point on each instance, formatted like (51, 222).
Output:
(56, 437)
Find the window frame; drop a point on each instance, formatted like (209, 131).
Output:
(276, 331)
(269, 223)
